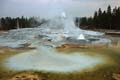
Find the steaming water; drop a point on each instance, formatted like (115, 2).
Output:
(46, 59)
(55, 29)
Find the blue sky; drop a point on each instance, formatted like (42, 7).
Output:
(43, 8)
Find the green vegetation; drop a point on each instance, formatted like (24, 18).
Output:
(8, 23)
(108, 19)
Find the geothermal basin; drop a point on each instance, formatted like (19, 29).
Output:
(54, 32)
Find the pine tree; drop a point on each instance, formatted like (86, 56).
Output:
(99, 17)
(109, 17)
(95, 18)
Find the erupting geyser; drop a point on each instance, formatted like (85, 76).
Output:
(55, 31)
(44, 58)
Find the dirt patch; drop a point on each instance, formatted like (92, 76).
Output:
(79, 46)
(116, 76)
(27, 76)
(113, 34)
(1, 31)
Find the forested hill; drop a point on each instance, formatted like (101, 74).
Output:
(108, 19)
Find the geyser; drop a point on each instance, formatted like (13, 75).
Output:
(55, 29)
(53, 32)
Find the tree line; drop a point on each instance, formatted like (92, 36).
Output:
(107, 19)
(8, 23)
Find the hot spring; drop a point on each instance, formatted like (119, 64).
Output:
(47, 59)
